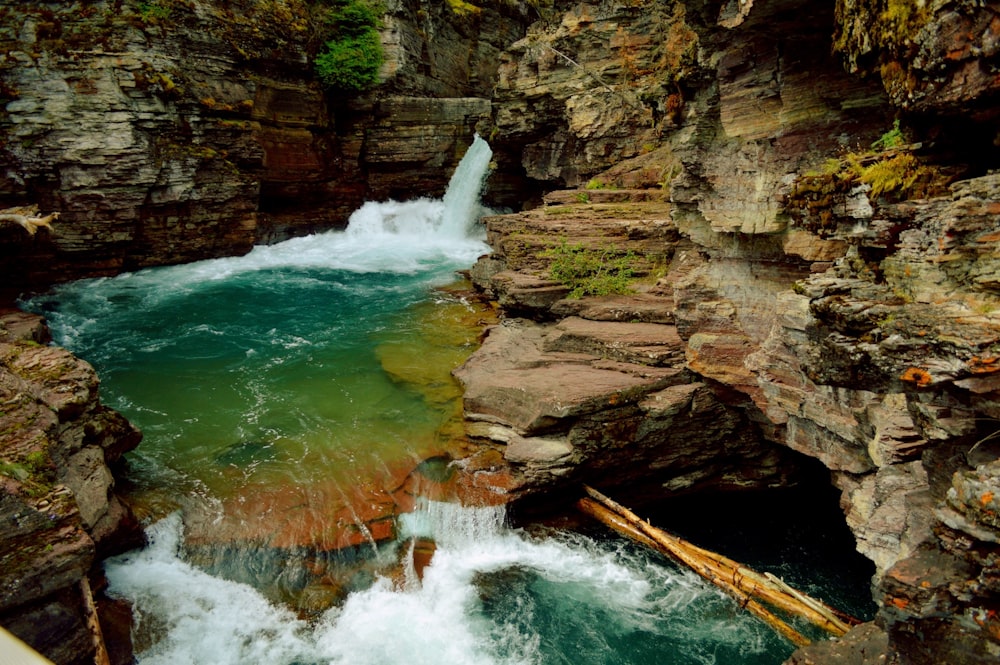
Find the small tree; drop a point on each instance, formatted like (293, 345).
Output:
(351, 59)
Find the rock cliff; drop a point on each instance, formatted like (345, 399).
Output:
(58, 504)
(171, 131)
(827, 261)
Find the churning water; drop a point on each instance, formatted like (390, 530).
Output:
(270, 388)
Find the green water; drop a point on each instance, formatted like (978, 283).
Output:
(271, 387)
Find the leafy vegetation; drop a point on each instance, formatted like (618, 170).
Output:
(152, 11)
(891, 139)
(590, 271)
(890, 169)
(351, 58)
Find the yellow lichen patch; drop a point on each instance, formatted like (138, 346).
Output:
(463, 8)
(903, 19)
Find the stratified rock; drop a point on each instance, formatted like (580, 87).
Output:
(605, 402)
(932, 56)
(163, 139)
(56, 489)
(866, 644)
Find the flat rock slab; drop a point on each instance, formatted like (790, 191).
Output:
(517, 380)
(631, 308)
(643, 343)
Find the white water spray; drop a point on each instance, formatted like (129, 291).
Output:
(196, 618)
(449, 219)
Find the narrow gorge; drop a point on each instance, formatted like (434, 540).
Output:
(733, 246)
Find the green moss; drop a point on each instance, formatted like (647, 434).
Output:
(462, 8)
(36, 472)
(594, 183)
(585, 271)
(152, 11)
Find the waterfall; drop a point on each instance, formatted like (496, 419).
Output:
(434, 220)
(491, 596)
(461, 200)
(258, 385)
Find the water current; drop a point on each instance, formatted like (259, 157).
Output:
(270, 388)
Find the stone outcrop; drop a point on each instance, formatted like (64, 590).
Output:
(171, 131)
(810, 277)
(831, 281)
(586, 401)
(58, 503)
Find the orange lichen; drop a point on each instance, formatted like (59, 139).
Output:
(988, 365)
(920, 377)
(901, 603)
(986, 498)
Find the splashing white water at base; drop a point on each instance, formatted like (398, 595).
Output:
(197, 618)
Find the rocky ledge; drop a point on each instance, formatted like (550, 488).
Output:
(725, 370)
(58, 505)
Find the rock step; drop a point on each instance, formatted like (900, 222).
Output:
(573, 196)
(531, 377)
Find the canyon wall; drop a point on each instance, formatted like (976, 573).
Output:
(58, 503)
(806, 196)
(171, 131)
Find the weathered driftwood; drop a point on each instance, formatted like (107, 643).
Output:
(93, 624)
(28, 218)
(744, 584)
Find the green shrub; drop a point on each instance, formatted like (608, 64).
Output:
(591, 272)
(351, 59)
(891, 139)
(351, 64)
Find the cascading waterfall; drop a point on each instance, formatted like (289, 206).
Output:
(261, 384)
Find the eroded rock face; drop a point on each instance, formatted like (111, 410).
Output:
(937, 57)
(608, 403)
(794, 304)
(201, 129)
(57, 498)
(845, 317)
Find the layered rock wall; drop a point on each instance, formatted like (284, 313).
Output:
(58, 503)
(811, 278)
(831, 278)
(173, 131)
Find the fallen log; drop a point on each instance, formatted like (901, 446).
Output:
(93, 623)
(744, 584)
(605, 515)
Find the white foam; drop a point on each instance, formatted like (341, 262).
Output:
(199, 618)
(382, 237)
(210, 620)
